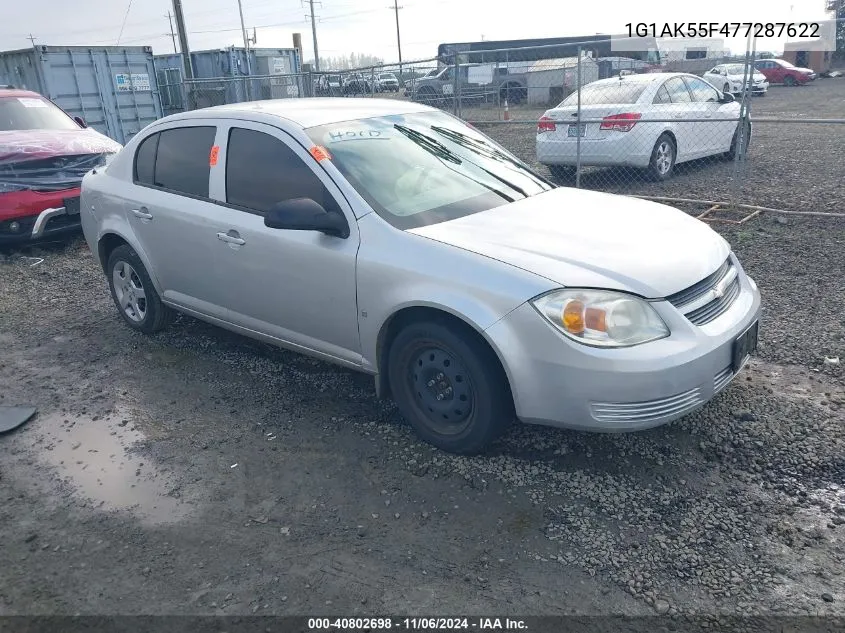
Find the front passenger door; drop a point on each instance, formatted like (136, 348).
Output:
(292, 285)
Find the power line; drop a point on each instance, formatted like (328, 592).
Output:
(123, 24)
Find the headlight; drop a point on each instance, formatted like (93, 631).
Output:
(601, 317)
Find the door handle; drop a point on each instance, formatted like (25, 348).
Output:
(231, 239)
(142, 213)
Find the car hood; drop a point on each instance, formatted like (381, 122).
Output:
(21, 145)
(575, 237)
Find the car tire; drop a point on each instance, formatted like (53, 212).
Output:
(663, 157)
(432, 358)
(727, 89)
(731, 153)
(562, 172)
(789, 80)
(133, 292)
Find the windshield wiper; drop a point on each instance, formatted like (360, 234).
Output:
(430, 144)
(441, 151)
(481, 148)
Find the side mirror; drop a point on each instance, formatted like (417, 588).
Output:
(80, 121)
(304, 214)
(727, 97)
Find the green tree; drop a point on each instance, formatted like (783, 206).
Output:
(836, 8)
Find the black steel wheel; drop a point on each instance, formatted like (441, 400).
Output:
(450, 386)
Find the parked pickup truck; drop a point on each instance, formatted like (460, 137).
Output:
(486, 82)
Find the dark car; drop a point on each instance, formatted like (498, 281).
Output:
(44, 153)
(356, 84)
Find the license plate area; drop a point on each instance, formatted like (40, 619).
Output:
(744, 345)
(71, 205)
(576, 130)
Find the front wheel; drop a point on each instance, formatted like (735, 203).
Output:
(663, 157)
(133, 292)
(450, 386)
(789, 80)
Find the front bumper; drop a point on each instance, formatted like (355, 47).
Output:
(559, 382)
(50, 222)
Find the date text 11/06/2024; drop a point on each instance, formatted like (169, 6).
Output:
(416, 624)
(724, 29)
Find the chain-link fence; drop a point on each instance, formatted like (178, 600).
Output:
(705, 126)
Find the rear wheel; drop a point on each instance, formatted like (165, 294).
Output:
(743, 129)
(663, 157)
(450, 386)
(133, 292)
(561, 172)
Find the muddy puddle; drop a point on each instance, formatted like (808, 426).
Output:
(95, 457)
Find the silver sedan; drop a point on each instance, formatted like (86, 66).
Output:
(394, 239)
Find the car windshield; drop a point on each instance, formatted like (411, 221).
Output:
(32, 113)
(617, 91)
(423, 168)
(386, 77)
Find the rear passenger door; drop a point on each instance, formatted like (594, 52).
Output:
(680, 110)
(172, 214)
(718, 120)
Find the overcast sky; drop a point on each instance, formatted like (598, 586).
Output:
(367, 26)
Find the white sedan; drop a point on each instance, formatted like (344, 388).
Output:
(652, 121)
(729, 78)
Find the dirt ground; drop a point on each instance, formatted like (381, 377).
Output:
(198, 472)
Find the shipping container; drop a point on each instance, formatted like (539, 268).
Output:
(222, 76)
(113, 88)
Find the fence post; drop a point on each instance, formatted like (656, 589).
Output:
(373, 81)
(578, 124)
(744, 123)
(455, 83)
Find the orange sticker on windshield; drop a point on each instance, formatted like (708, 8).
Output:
(212, 157)
(320, 153)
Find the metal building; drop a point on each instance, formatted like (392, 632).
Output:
(112, 87)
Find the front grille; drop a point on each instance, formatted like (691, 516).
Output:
(648, 410)
(50, 174)
(693, 302)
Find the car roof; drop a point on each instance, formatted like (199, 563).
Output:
(15, 92)
(643, 78)
(309, 112)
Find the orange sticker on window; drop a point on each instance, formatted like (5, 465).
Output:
(212, 157)
(320, 153)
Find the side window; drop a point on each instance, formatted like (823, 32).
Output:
(262, 171)
(702, 92)
(145, 160)
(662, 96)
(182, 160)
(677, 90)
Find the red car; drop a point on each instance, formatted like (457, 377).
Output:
(44, 153)
(780, 71)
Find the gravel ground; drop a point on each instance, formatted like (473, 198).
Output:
(199, 472)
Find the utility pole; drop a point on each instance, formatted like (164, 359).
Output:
(395, 9)
(314, 35)
(172, 32)
(183, 39)
(32, 39)
(246, 38)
